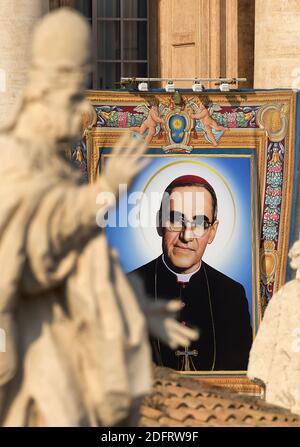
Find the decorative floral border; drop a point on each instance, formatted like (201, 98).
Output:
(234, 111)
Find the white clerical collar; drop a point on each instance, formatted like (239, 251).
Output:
(181, 277)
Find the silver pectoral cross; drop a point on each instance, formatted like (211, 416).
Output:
(186, 360)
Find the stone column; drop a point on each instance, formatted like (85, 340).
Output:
(277, 44)
(17, 18)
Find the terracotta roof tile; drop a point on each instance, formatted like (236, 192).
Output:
(169, 422)
(145, 421)
(180, 401)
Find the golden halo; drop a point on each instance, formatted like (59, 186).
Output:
(214, 171)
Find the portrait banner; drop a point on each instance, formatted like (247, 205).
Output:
(240, 149)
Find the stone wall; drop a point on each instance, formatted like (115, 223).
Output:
(17, 18)
(277, 44)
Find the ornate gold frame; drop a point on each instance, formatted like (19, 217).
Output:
(271, 261)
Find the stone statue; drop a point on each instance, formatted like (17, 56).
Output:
(275, 354)
(77, 349)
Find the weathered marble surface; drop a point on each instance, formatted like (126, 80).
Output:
(77, 338)
(275, 354)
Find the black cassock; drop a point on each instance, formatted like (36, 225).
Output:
(212, 302)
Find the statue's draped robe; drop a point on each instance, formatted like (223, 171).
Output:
(76, 342)
(275, 354)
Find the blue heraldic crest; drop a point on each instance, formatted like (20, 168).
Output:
(177, 126)
(179, 129)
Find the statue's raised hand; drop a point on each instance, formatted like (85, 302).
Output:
(125, 161)
(160, 316)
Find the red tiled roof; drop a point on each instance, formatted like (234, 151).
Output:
(181, 401)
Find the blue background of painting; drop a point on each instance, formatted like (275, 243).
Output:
(237, 173)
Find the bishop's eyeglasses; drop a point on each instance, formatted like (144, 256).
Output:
(178, 222)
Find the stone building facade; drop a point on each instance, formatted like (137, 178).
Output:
(256, 39)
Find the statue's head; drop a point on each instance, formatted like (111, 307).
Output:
(61, 42)
(60, 56)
